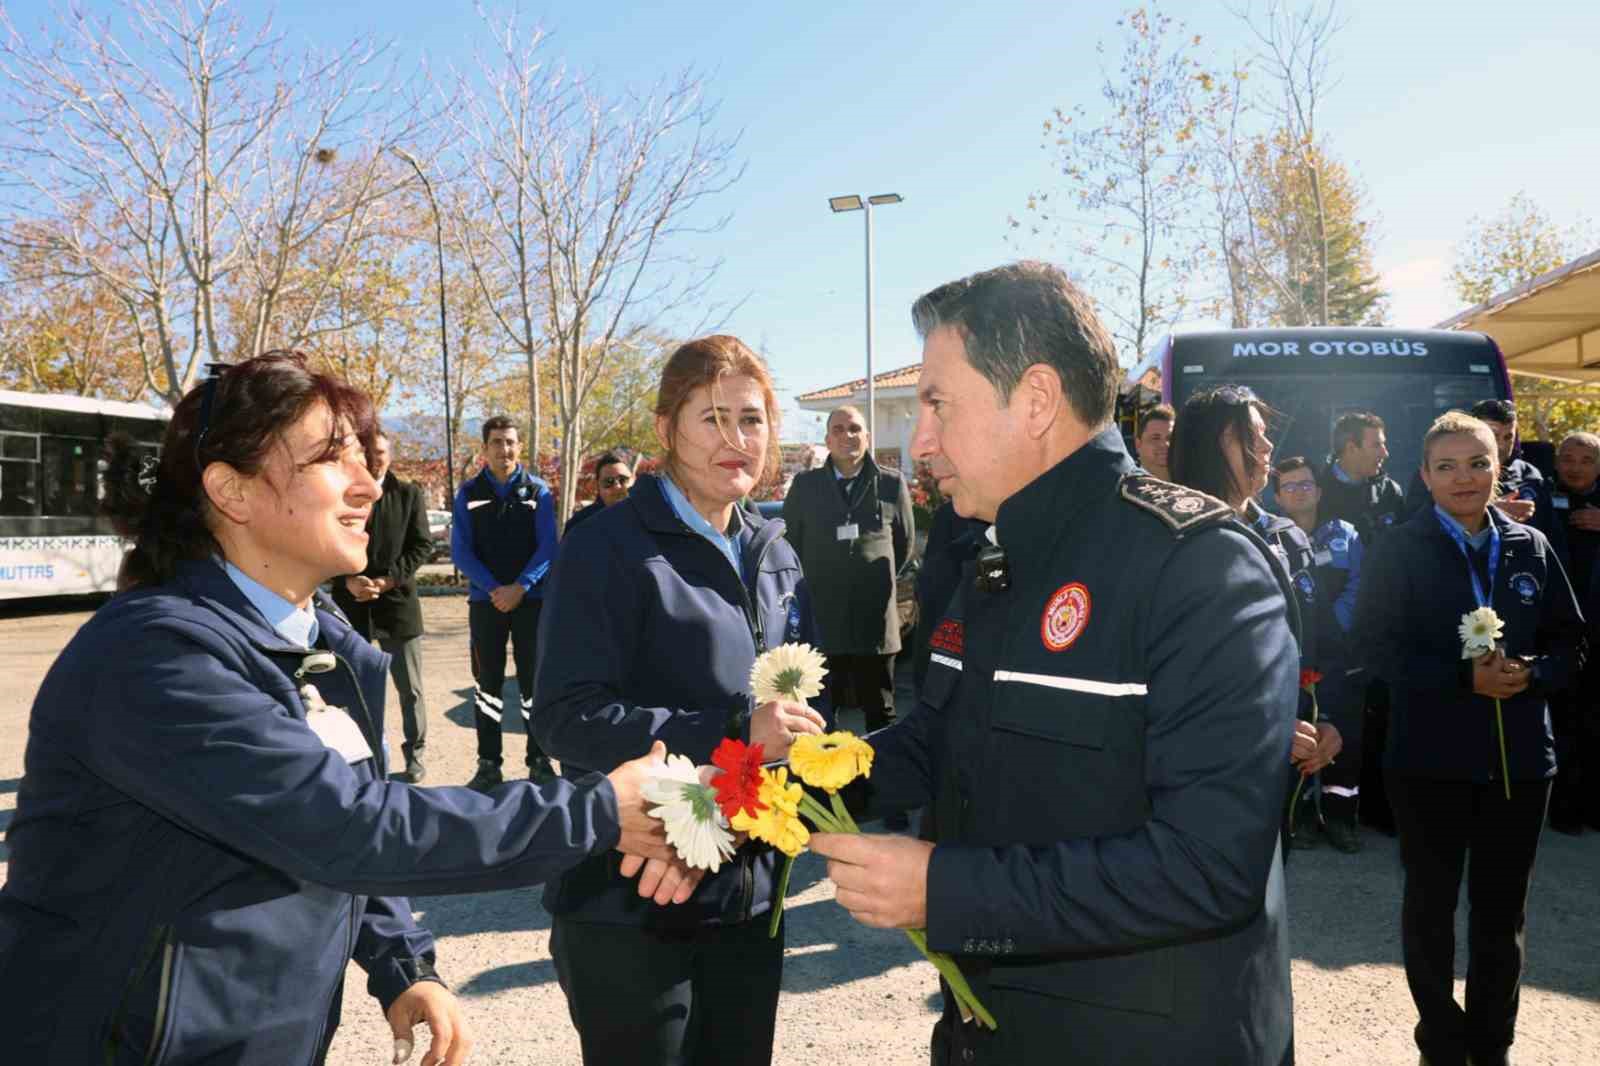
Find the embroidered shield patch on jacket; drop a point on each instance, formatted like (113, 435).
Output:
(1065, 616)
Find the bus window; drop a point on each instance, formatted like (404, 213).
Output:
(19, 474)
(67, 467)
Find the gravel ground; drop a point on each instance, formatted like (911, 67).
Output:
(856, 995)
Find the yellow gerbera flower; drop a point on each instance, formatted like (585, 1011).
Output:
(830, 761)
(779, 823)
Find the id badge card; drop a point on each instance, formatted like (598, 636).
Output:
(848, 531)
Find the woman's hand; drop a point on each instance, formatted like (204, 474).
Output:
(1329, 745)
(774, 725)
(662, 881)
(642, 833)
(1305, 742)
(433, 1005)
(1498, 678)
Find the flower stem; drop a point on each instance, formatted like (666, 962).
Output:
(1500, 728)
(842, 813)
(953, 977)
(777, 904)
(1294, 800)
(820, 816)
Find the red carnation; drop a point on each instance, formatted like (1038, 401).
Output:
(738, 786)
(1309, 677)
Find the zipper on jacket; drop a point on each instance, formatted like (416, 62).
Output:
(163, 994)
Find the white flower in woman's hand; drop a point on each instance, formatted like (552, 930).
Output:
(1480, 631)
(788, 672)
(687, 806)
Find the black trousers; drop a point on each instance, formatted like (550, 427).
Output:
(405, 667)
(1575, 720)
(1375, 734)
(865, 681)
(1342, 701)
(1440, 824)
(637, 998)
(489, 627)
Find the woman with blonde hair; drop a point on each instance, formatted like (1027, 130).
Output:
(657, 610)
(1469, 755)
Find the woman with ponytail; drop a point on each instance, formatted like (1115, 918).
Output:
(204, 834)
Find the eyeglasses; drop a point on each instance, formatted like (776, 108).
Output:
(1293, 488)
(615, 481)
(1234, 394)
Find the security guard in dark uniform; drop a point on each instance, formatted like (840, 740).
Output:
(1107, 714)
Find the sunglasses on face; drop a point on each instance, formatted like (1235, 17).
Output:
(1234, 394)
(615, 481)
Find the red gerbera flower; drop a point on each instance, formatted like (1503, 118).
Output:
(1309, 677)
(738, 786)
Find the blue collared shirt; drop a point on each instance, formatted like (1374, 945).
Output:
(727, 543)
(297, 625)
(501, 487)
(1478, 539)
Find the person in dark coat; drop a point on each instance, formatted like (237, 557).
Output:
(503, 538)
(381, 602)
(1469, 755)
(1105, 730)
(656, 612)
(612, 476)
(204, 838)
(851, 523)
(1356, 489)
(1575, 714)
(1521, 491)
(953, 542)
(1221, 448)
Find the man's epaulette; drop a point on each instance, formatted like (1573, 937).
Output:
(1180, 507)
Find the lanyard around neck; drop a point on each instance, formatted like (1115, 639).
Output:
(1459, 536)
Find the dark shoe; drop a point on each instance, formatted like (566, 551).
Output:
(1343, 836)
(540, 771)
(487, 777)
(415, 771)
(1305, 836)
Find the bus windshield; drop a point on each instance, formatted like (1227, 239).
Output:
(1312, 376)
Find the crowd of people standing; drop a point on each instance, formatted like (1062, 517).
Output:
(1126, 676)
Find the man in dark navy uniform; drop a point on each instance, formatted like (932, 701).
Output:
(503, 537)
(1108, 710)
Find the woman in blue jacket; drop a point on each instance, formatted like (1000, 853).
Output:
(657, 609)
(1450, 794)
(204, 835)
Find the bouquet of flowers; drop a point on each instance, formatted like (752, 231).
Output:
(1480, 632)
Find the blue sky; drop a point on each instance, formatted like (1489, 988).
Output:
(1443, 109)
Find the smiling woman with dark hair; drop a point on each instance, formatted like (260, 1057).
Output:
(204, 836)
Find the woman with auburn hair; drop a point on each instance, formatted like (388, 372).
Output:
(1469, 755)
(204, 835)
(657, 610)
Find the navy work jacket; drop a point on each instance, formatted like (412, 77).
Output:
(649, 634)
(1106, 741)
(1414, 590)
(192, 868)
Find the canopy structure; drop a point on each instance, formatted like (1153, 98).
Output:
(1548, 328)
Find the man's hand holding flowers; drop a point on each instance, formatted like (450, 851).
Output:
(882, 880)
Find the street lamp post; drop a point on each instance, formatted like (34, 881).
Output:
(840, 204)
(444, 332)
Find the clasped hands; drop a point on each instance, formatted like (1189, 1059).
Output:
(663, 877)
(1500, 676)
(367, 589)
(1315, 746)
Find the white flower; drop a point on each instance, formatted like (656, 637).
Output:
(1480, 630)
(688, 807)
(788, 672)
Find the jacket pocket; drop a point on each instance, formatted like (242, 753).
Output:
(141, 1030)
(1142, 981)
(1046, 714)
